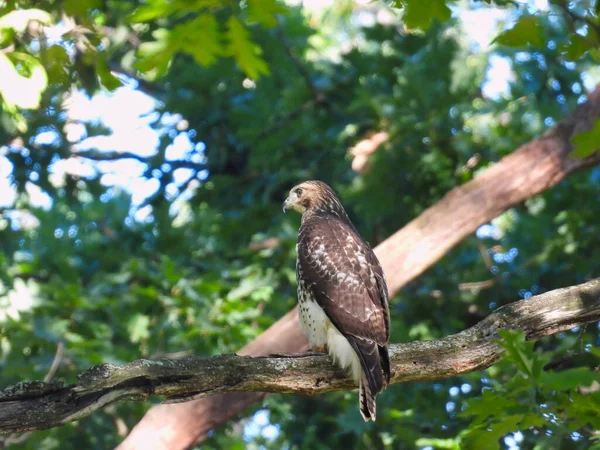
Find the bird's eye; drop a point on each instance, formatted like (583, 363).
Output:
(299, 192)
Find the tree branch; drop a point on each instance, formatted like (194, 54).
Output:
(564, 6)
(38, 405)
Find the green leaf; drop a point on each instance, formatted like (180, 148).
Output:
(576, 47)
(56, 61)
(420, 14)
(201, 38)
(245, 52)
(490, 403)
(108, 80)
(81, 8)
(449, 444)
(153, 10)
(587, 142)
(518, 351)
(527, 30)
(138, 328)
(156, 55)
(264, 11)
(19, 19)
(487, 436)
(595, 351)
(162, 8)
(22, 88)
(569, 379)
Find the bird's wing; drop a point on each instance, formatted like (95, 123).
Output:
(345, 278)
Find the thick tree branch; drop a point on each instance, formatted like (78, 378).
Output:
(39, 405)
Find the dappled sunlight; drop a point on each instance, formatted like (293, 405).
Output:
(22, 297)
(142, 175)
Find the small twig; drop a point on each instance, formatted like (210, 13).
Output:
(477, 285)
(14, 439)
(9, 49)
(55, 362)
(563, 5)
(484, 255)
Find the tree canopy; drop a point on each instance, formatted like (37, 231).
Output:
(113, 251)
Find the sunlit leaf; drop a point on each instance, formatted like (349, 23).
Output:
(161, 8)
(527, 30)
(419, 14)
(19, 19)
(445, 444)
(245, 52)
(201, 38)
(265, 11)
(108, 80)
(156, 55)
(154, 9)
(138, 327)
(22, 88)
(518, 350)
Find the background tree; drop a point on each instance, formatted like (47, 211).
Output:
(387, 103)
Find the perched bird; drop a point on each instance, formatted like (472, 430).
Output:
(342, 293)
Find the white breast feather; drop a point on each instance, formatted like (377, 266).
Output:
(319, 330)
(342, 353)
(313, 323)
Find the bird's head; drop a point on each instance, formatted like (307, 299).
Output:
(313, 196)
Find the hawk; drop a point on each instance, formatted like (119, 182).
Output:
(342, 293)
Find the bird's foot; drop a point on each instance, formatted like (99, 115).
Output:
(321, 349)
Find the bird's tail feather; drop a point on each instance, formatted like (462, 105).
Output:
(366, 400)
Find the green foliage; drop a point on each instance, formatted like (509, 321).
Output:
(23, 77)
(521, 353)
(533, 398)
(204, 37)
(211, 265)
(420, 15)
(527, 31)
(18, 20)
(199, 37)
(587, 142)
(245, 52)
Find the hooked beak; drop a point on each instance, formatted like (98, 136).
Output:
(286, 204)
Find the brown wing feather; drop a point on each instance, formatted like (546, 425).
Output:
(347, 281)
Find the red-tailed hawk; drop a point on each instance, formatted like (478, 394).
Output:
(342, 294)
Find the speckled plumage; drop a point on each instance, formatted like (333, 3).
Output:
(342, 294)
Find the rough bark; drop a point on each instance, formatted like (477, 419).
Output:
(526, 172)
(37, 405)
